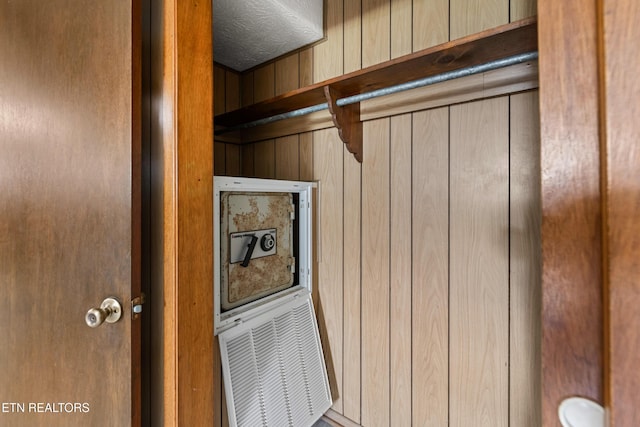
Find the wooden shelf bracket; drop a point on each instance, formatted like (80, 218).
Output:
(347, 121)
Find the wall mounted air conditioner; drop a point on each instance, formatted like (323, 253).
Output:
(272, 361)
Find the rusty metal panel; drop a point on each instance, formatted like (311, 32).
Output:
(252, 270)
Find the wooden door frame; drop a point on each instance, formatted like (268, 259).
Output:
(583, 260)
(591, 205)
(180, 156)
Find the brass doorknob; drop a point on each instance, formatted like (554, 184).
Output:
(110, 311)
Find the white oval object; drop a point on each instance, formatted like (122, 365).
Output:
(581, 412)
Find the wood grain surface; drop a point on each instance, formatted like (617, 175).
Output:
(572, 338)
(622, 157)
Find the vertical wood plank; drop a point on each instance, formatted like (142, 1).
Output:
(219, 157)
(246, 88)
(327, 56)
(306, 67)
(352, 244)
(520, 9)
(479, 264)
(233, 165)
(572, 307)
(232, 91)
(375, 274)
(287, 74)
(400, 289)
(352, 286)
(264, 152)
(328, 161)
(264, 159)
(376, 31)
(525, 262)
(622, 291)
(219, 90)
(401, 27)
(264, 80)
(430, 23)
(287, 158)
(328, 61)
(430, 268)
(352, 36)
(306, 156)
(247, 165)
(472, 16)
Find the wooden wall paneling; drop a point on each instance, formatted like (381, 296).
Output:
(376, 31)
(246, 98)
(375, 274)
(352, 34)
(264, 82)
(472, 16)
(264, 152)
(327, 150)
(232, 91)
(400, 274)
(287, 158)
(328, 55)
(352, 286)
(622, 291)
(246, 88)
(375, 358)
(233, 164)
(287, 74)
(572, 307)
(219, 154)
(524, 262)
(306, 67)
(479, 264)
(219, 82)
(305, 149)
(264, 155)
(219, 107)
(401, 27)
(351, 382)
(430, 268)
(430, 23)
(520, 9)
(247, 165)
(328, 169)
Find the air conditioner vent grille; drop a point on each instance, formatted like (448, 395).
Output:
(274, 369)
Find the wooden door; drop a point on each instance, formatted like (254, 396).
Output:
(69, 211)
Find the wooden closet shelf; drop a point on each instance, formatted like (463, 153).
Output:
(490, 45)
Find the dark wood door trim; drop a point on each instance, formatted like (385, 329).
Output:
(181, 153)
(591, 205)
(572, 316)
(136, 208)
(621, 162)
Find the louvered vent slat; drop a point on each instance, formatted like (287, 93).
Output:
(274, 369)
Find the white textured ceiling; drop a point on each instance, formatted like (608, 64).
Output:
(247, 33)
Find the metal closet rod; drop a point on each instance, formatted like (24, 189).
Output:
(438, 78)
